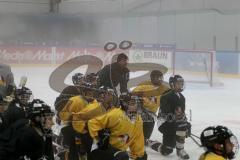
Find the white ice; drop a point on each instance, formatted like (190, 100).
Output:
(209, 105)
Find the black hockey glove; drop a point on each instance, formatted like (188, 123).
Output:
(103, 136)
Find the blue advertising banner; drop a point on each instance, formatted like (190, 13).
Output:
(228, 62)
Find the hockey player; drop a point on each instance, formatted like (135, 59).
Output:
(72, 105)
(115, 132)
(70, 101)
(23, 97)
(73, 111)
(151, 92)
(172, 122)
(16, 109)
(115, 73)
(219, 142)
(41, 119)
(99, 106)
(29, 139)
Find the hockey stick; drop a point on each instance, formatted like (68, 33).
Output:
(22, 82)
(194, 140)
(195, 136)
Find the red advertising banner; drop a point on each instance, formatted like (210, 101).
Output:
(26, 55)
(46, 55)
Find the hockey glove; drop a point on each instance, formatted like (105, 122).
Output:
(103, 136)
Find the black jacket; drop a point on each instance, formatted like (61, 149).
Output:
(112, 75)
(170, 101)
(13, 113)
(21, 139)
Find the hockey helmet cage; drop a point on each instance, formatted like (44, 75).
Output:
(108, 94)
(23, 95)
(174, 79)
(219, 135)
(39, 108)
(91, 79)
(77, 78)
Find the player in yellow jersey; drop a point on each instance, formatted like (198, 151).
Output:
(71, 101)
(103, 101)
(116, 131)
(219, 142)
(72, 105)
(151, 92)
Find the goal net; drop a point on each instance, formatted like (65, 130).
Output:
(197, 66)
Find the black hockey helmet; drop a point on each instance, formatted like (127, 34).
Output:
(23, 95)
(176, 79)
(220, 140)
(39, 108)
(77, 78)
(107, 94)
(129, 99)
(91, 80)
(131, 105)
(41, 115)
(88, 92)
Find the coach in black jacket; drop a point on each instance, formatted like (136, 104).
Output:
(115, 73)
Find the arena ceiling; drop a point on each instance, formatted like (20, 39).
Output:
(120, 7)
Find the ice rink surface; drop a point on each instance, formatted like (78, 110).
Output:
(210, 105)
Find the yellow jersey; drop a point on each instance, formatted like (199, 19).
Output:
(75, 104)
(124, 133)
(151, 94)
(211, 156)
(90, 111)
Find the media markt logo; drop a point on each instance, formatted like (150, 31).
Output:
(138, 56)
